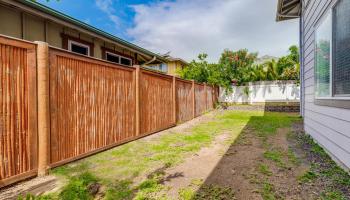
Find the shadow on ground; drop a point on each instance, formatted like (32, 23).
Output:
(274, 159)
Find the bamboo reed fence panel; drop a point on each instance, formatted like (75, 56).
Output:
(92, 105)
(156, 102)
(18, 128)
(184, 100)
(200, 99)
(210, 98)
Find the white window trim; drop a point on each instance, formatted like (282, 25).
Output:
(113, 54)
(70, 42)
(126, 59)
(332, 95)
(120, 58)
(330, 56)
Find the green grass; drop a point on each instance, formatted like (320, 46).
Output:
(333, 195)
(117, 168)
(276, 156)
(186, 193)
(264, 169)
(267, 191)
(307, 177)
(293, 158)
(214, 192)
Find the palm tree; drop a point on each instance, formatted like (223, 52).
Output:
(271, 70)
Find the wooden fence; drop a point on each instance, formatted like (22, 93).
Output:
(18, 125)
(92, 105)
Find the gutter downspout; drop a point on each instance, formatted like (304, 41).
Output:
(150, 61)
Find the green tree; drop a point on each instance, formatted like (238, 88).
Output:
(236, 63)
(288, 66)
(196, 70)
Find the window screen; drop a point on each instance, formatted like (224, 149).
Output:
(79, 49)
(323, 57)
(341, 48)
(112, 57)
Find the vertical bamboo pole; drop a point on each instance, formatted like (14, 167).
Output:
(174, 99)
(137, 96)
(43, 107)
(193, 101)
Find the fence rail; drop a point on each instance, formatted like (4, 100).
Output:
(92, 105)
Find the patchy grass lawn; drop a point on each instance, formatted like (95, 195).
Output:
(261, 150)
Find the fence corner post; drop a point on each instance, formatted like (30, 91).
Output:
(43, 75)
(137, 102)
(193, 100)
(174, 99)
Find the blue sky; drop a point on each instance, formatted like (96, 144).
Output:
(186, 28)
(89, 12)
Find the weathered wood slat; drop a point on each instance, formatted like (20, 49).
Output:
(95, 105)
(184, 98)
(18, 144)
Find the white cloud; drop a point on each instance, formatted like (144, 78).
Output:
(189, 27)
(107, 7)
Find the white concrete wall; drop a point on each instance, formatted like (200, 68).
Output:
(261, 92)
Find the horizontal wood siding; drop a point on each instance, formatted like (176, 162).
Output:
(329, 126)
(156, 102)
(92, 105)
(200, 99)
(18, 129)
(184, 99)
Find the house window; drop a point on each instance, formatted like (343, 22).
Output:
(125, 61)
(163, 67)
(77, 47)
(112, 57)
(323, 57)
(341, 48)
(332, 55)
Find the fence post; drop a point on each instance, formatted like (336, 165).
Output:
(206, 97)
(174, 98)
(193, 101)
(137, 96)
(43, 108)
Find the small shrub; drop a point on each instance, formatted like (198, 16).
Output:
(76, 189)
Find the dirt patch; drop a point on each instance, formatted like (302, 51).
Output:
(196, 167)
(253, 167)
(36, 186)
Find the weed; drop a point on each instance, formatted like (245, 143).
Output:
(264, 169)
(197, 182)
(214, 192)
(120, 190)
(267, 191)
(307, 177)
(332, 195)
(77, 187)
(186, 194)
(32, 197)
(293, 158)
(276, 156)
(149, 189)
